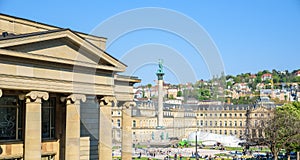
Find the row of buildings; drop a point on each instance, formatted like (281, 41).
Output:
(180, 120)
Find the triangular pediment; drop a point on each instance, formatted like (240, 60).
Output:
(62, 44)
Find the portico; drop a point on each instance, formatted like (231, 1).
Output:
(57, 92)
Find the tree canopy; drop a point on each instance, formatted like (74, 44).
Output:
(282, 130)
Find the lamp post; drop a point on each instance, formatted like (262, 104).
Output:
(196, 152)
(196, 155)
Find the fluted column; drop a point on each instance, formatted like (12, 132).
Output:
(105, 127)
(126, 130)
(73, 125)
(33, 131)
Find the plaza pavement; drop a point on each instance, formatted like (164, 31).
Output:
(161, 153)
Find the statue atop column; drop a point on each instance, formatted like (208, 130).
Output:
(160, 71)
(160, 66)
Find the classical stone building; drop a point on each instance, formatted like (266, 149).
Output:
(180, 120)
(57, 89)
(225, 120)
(177, 123)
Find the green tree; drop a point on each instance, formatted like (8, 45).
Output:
(203, 94)
(179, 94)
(282, 130)
(296, 79)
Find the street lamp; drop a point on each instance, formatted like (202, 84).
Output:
(196, 153)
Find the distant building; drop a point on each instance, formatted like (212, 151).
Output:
(297, 73)
(266, 76)
(172, 93)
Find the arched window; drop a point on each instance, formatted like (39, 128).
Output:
(119, 123)
(133, 123)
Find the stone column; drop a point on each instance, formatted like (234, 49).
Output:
(126, 130)
(73, 126)
(105, 127)
(33, 131)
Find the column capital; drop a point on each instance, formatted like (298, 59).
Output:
(73, 98)
(107, 100)
(129, 104)
(37, 96)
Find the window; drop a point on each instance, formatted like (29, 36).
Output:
(241, 115)
(133, 123)
(241, 132)
(235, 123)
(201, 114)
(255, 114)
(48, 118)
(220, 114)
(205, 123)
(119, 113)
(210, 123)
(241, 123)
(230, 132)
(235, 114)
(11, 118)
(230, 114)
(210, 115)
(220, 131)
(118, 123)
(225, 132)
(220, 123)
(230, 123)
(210, 131)
(216, 123)
(225, 115)
(225, 123)
(201, 122)
(235, 132)
(216, 115)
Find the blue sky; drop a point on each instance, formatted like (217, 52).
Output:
(250, 35)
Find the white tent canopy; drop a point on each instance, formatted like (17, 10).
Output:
(211, 139)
